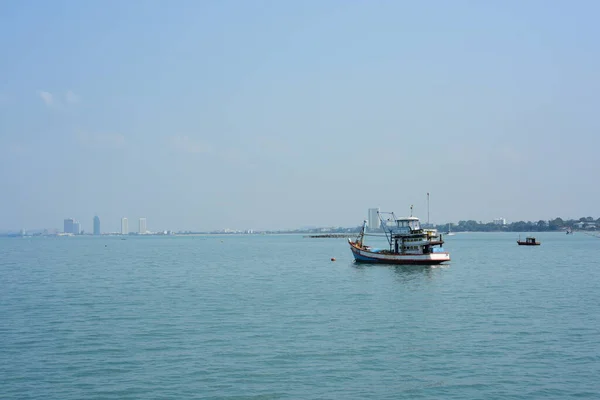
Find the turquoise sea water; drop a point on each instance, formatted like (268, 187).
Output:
(271, 317)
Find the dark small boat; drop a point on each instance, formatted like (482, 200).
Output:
(529, 241)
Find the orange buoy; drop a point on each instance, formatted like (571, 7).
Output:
(332, 258)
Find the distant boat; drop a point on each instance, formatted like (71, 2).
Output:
(529, 241)
(408, 244)
(569, 231)
(449, 231)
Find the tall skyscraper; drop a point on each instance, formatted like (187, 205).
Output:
(373, 221)
(96, 225)
(124, 226)
(76, 228)
(68, 225)
(142, 226)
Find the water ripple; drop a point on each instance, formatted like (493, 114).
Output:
(273, 318)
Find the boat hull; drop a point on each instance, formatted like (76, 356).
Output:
(365, 256)
(528, 244)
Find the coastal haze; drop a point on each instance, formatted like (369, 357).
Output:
(135, 134)
(279, 115)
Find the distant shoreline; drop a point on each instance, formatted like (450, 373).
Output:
(304, 235)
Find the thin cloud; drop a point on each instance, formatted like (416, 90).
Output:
(189, 145)
(101, 140)
(273, 145)
(47, 98)
(186, 144)
(72, 98)
(59, 102)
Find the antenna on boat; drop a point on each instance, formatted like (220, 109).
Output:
(428, 209)
(411, 210)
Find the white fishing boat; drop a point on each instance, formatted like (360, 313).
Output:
(408, 244)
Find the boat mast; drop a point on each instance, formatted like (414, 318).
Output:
(428, 209)
(361, 235)
(385, 228)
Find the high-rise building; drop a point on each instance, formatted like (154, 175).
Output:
(124, 226)
(68, 225)
(76, 228)
(142, 226)
(96, 225)
(373, 221)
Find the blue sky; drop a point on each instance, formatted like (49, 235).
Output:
(205, 115)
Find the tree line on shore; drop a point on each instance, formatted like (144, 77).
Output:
(556, 224)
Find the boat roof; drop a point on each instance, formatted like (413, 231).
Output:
(407, 219)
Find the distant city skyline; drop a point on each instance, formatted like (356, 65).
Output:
(586, 224)
(124, 226)
(215, 115)
(371, 216)
(142, 226)
(373, 221)
(97, 230)
(69, 226)
(72, 226)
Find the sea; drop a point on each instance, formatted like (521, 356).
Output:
(273, 317)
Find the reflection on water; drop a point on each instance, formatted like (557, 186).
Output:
(404, 272)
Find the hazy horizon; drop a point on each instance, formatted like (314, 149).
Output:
(277, 115)
(133, 224)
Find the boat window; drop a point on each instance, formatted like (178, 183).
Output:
(414, 225)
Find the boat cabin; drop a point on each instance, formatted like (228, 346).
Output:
(529, 241)
(407, 225)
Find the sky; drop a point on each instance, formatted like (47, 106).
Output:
(205, 115)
